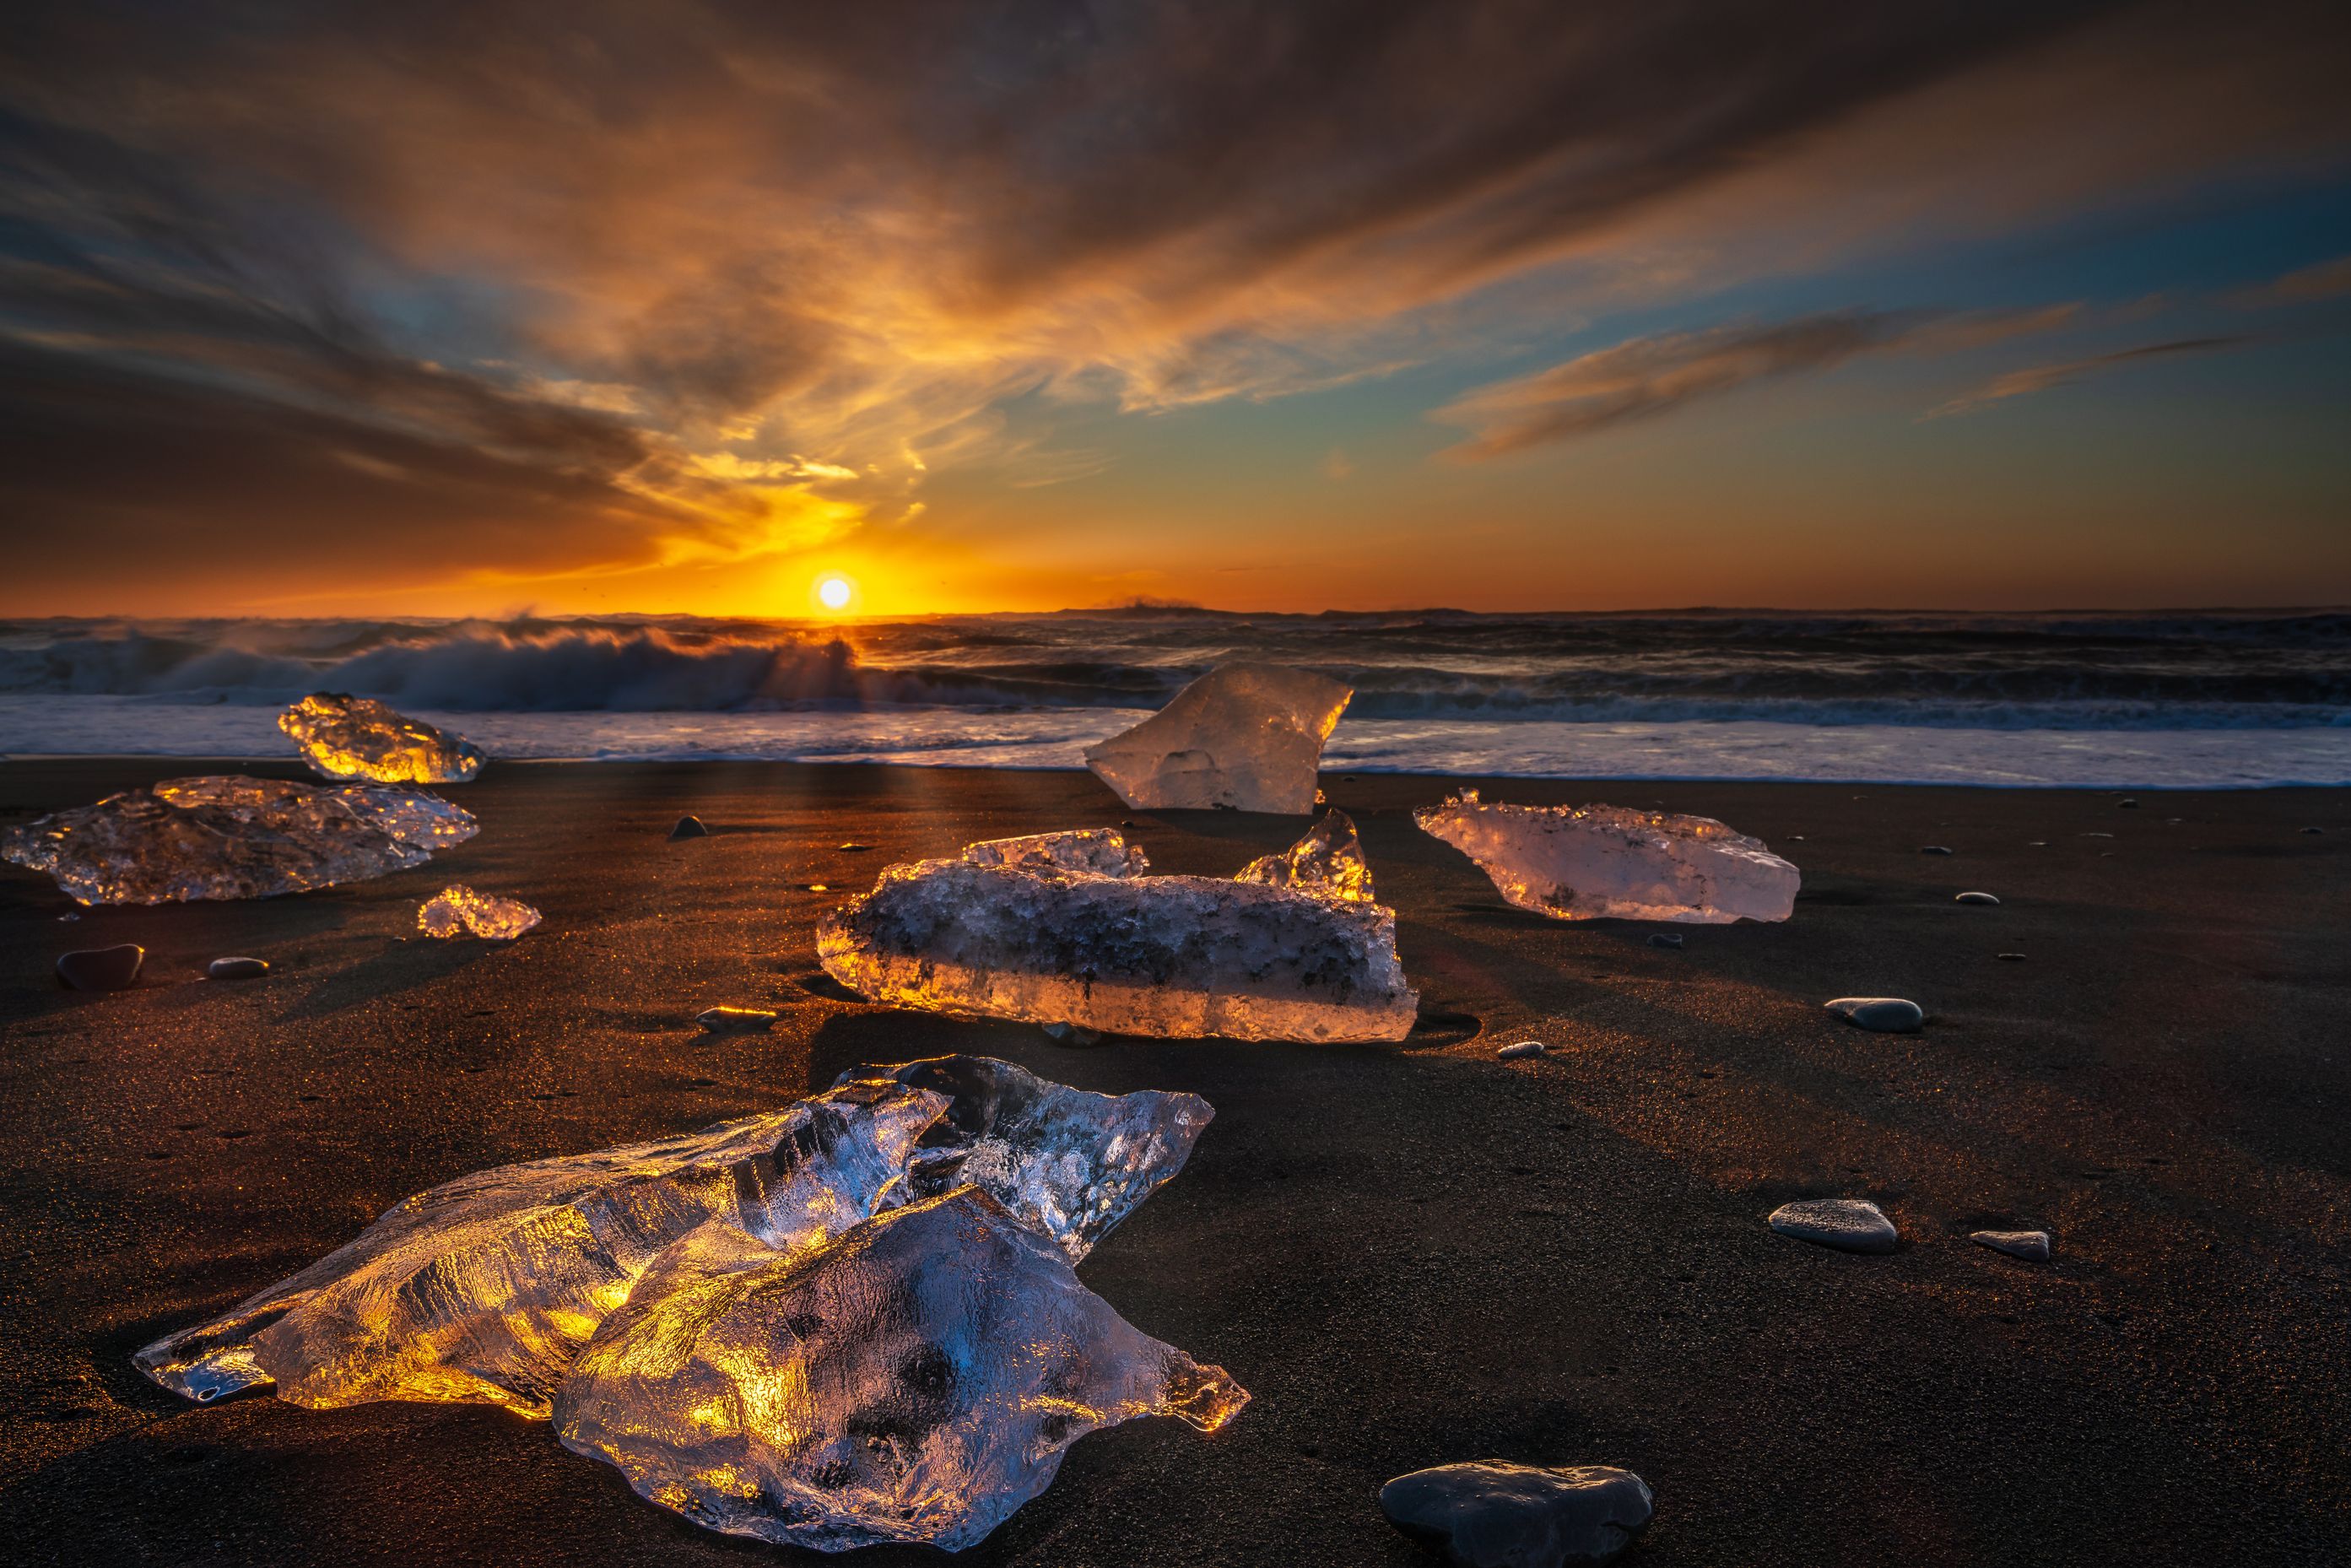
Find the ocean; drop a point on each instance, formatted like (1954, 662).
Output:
(2126, 701)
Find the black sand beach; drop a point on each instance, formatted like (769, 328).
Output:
(1408, 1255)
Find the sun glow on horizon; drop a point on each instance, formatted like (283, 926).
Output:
(835, 592)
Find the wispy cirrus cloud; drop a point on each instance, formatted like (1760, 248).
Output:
(2041, 378)
(1649, 377)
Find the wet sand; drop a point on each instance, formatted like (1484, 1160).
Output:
(1408, 1255)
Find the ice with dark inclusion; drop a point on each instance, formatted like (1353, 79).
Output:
(482, 1290)
(228, 836)
(1067, 1162)
(1592, 862)
(1327, 863)
(916, 1380)
(1102, 851)
(345, 737)
(1246, 737)
(1179, 957)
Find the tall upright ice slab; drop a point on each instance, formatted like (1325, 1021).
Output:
(1594, 863)
(481, 1290)
(345, 737)
(1167, 956)
(916, 1380)
(1249, 736)
(1327, 863)
(228, 836)
(1066, 1162)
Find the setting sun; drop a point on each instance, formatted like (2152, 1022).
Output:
(834, 592)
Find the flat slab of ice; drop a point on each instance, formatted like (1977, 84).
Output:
(229, 836)
(458, 911)
(1103, 851)
(1168, 956)
(344, 736)
(1596, 862)
(482, 1290)
(916, 1380)
(1246, 737)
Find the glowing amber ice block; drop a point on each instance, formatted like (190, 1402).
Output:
(482, 1290)
(1170, 956)
(357, 737)
(1594, 863)
(1327, 863)
(1246, 737)
(916, 1380)
(229, 836)
(458, 911)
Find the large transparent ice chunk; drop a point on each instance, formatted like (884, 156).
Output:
(346, 736)
(481, 1290)
(1594, 863)
(1167, 956)
(1327, 863)
(1067, 1162)
(228, 836)
(1102, 851)
(1248, 737)
(917, 1380)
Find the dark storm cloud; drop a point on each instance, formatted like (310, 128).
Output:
(609, 249)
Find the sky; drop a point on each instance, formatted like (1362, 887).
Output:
(585, 307)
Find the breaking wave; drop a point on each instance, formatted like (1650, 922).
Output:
(2208, 671)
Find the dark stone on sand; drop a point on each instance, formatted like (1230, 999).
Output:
(688, 826)
(1495, 1514)
(1934, 850)
(2009, 957)
(2032, 1245)
(236, 969)
(1664, 939)
(736, 1021)
(101, 969)
(1524, 1048)
(1072, 1034)
(2128, 805)
(1847, 1224)
(852, 847)
(1886, 1015)
(2313, 830)
(1975, 898)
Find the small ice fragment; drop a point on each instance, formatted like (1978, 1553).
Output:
(344, 736)
(736, 1021)
(228, 836)
(688, 826)
(1162, 956)
(917, 1380)
(1886, 1015)
(482, 1290)
(1067, 1162)
(1524, 1048)
(458, 911)
(853, 848)
(2032, 1245)
(236, 969)
(1327, 863)
(1248, 737)
(1105, 852)
(1934, 850)
(1071, 1034)
(2009, 957)
(1975, 898)
(1847, 1224)
(1592, 862)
